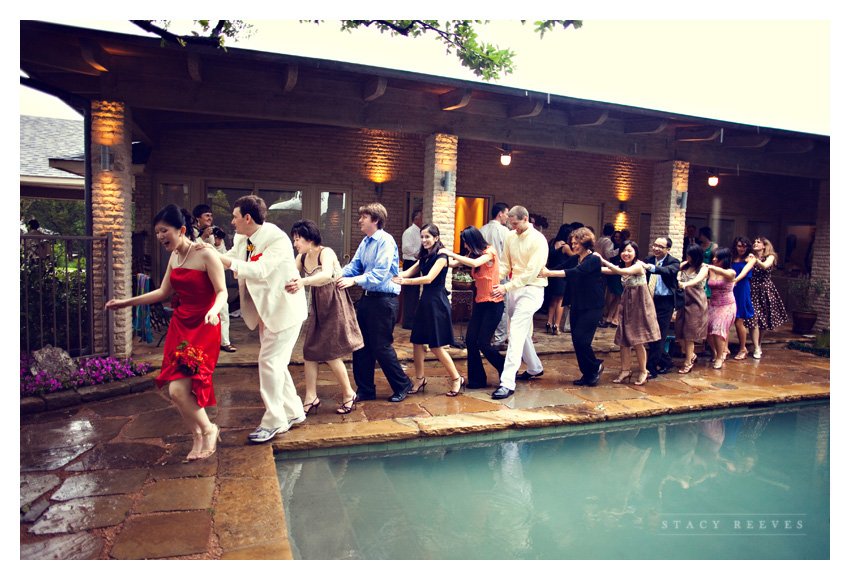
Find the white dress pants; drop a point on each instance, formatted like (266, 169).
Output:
(521, 305)
(276, 386)
(224, 316)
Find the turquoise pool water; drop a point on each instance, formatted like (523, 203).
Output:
(724, 486)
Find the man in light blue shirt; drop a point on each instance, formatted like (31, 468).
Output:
(374, 265)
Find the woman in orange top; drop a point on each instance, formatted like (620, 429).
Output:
(487, 311)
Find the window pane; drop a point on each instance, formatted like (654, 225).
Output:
(332, 221)
(221, 199)
(178, 194)
(284, 207)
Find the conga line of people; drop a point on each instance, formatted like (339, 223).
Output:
(289, 280)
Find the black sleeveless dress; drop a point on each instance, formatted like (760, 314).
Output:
(432, 323)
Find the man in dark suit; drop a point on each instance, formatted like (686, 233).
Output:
(661, 273)
(690, 238)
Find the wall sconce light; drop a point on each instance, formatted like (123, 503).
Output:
(622, 206)
(105, 158)
(713, 180)
(683, 200)
(505, 159)
(379, 189)
(446, 181)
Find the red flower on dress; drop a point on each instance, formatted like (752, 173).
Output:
(257, 257)
(188, 357)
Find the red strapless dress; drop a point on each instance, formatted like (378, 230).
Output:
(191, 346)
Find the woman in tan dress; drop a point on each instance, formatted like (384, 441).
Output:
(692, 321)
(331, 331)
(638, 323)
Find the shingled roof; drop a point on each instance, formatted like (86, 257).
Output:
(43, 139)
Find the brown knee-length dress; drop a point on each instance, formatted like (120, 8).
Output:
(692, 320)
(331, 330)
(638, 323)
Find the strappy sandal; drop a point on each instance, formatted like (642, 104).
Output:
(645, 378)
(207, 452)
(455, 393)
(420, 388)
(625, 377)
(314, 405)
(348, 406)
(742, 354)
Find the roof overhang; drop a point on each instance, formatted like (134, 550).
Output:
(171, 88)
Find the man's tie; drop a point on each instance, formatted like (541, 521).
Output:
(653, 280)
(250, 249)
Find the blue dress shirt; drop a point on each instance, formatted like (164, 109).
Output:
(661, 288)
(375, 264)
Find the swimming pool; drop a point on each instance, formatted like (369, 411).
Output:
(752, 485)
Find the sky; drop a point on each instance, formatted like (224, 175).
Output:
(766, 73)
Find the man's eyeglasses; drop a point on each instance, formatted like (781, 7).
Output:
(660, 247)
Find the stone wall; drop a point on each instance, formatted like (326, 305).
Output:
(820, 253)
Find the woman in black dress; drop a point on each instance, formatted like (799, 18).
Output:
(559, 252)
(586, 302)
(432, 323)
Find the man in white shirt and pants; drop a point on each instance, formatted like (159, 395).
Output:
(263, 261)
(524, 255)
(410, 245)
(494, 233)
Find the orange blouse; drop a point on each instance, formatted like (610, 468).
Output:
(487, 277)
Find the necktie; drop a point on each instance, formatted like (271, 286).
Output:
(653, 280)
(250, 249)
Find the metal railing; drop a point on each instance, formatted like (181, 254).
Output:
(65, 282)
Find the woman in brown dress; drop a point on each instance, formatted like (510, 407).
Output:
(692, 321)
(331, 331)
(638, 323)
(767, 304)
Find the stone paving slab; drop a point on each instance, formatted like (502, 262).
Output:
(331, 435)
(163, 536)
(171, 495)
(118, 482)
(462, 424)
(82, 514)
(80, 546)
(249, 512)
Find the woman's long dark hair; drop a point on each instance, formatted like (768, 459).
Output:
(694, 257)
(748, 247)
(435, 232)
(724, 257)
(563, 234)
(176, 217)
(474, 242)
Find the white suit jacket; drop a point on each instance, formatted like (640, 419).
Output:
(265, 279)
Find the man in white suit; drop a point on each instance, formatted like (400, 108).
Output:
(263, 261)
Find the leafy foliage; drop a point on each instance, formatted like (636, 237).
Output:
(93, 371)
(482, 58)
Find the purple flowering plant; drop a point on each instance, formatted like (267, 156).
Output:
(93, 371)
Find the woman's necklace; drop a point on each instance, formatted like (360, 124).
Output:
(186, 257)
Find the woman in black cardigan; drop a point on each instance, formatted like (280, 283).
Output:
(586, 296)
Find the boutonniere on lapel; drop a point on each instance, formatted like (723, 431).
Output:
(250, 247)
(257, 257)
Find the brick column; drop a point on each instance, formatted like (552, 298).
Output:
(669, 181)
(112, 197)
(438, 206)
(820, 254)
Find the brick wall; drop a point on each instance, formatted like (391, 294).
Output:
(820, 253)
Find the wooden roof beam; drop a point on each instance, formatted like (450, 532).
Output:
(374, 88)
(703, 133)
(291, 78)
(94, 55)
(644, 126)
(745, 140)
(528, 108)
(587, 117)
(799, 146)
(456, 99)
(194, 62)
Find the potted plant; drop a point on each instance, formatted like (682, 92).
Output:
(462, 280)
(804, 291)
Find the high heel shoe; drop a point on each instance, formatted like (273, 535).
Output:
(421, 388)
(742, 354)
(455, 393)
(645, 378)
(194, 455)
(548, 328)
(314, 405)
(686, 369)
(555, 331)
(347, 406)
(625, 377)
(207, 452)
(757, 353)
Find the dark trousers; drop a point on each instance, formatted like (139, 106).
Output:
(485, 318)
(583, 325)
(376, 316)
(411, 299)
(657, 357)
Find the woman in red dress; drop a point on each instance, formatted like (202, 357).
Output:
(194, 334)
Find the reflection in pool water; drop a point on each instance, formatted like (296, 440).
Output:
(731, 487)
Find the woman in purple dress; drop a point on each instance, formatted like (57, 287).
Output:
(721, 305)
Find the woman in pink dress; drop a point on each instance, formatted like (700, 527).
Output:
(194, 333)
(721, 304)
